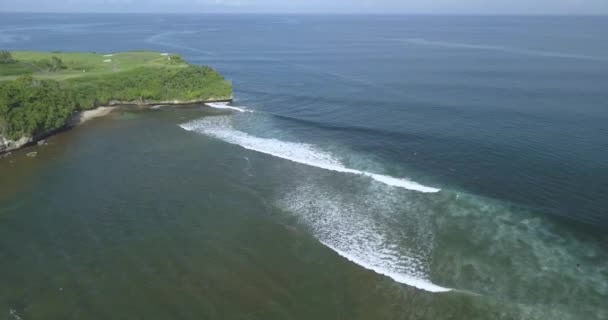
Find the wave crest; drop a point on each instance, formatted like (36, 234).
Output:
(221, 128)
(224, 105)
(372, 228)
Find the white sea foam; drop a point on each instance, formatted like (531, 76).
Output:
(221, 128)
(362, 227)
(224, 105)
(14, 314)
(399, 277)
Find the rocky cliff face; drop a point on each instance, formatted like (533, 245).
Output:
(9, 145)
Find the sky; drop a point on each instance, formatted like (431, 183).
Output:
(315, 6)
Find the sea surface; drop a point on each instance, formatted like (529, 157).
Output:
(370, 167)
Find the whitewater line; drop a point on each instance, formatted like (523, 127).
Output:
(398, 277)
(219, 127)
(391, 181)
(347, 225)
(224, 105)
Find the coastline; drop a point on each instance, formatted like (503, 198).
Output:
(83, 116)
(86, 115)
(59, 95)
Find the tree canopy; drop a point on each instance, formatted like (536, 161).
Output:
(6, 57)
(29, 106)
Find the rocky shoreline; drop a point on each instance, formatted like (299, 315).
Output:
(80, 117)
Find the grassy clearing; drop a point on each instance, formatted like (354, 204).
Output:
(79, 64)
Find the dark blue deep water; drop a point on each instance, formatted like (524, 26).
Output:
(439, 152)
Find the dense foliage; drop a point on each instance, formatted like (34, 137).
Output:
(52, 65)
(29, 106)
(6, 57)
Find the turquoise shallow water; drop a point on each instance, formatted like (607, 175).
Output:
(377, 163)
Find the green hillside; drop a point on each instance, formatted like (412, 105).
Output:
(39, 91)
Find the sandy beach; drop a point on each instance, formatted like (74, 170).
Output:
(87, 115)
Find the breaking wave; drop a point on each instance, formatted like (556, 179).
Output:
(365, 226)
(221, 128)
(224, 105)
(368, 229)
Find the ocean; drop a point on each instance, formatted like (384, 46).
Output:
(370, 167)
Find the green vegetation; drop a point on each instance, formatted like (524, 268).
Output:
(40, 91)
(78, 64)
(6, 57)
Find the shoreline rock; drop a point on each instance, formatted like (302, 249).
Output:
(10, 145)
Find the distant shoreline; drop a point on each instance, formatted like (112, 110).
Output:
(86, 115)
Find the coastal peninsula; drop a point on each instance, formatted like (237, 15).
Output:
(44, 92)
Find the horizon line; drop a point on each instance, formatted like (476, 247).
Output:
(378, 13)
